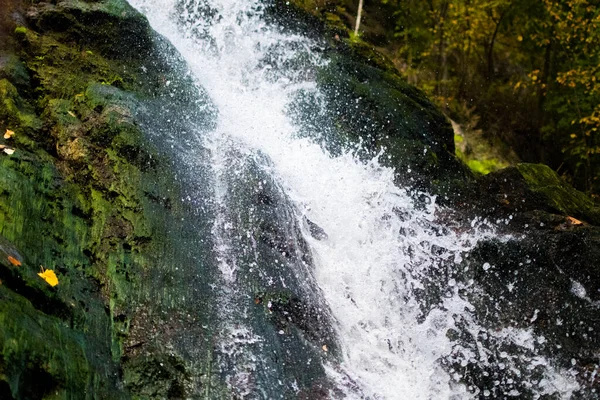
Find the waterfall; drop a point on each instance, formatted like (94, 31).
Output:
(364, 251)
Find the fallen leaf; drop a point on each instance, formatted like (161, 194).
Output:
(574, 221)
(14, 261)
(325, 349)
(71, 113)
(8, 134)
(8, 150)
(49, 276)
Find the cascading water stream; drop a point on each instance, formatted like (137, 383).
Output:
(378, 249)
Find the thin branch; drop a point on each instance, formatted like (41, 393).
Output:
(358, 17)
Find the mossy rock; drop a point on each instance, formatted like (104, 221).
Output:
(541, 179)
(370, 107)
(369, 54)
(86, 195)
(90, 23)
(12, 69)
(57, 334)
(16, 114)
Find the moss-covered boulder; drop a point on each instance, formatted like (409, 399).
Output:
(86, 193)
(542, 180)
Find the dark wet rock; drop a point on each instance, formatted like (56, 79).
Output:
(315, 230)
(543, 275)
(272, 285)
(370, 106)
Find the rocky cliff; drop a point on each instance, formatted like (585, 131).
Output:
(90, 190)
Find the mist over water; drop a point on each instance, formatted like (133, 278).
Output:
(380, 253)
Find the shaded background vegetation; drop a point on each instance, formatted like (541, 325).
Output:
(521, 76)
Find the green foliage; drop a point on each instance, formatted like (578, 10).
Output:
(528, 69)
(575, 97)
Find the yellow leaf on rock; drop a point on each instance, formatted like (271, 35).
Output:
(14, 261)
(49, 276)
(8, 150)
(8, 134)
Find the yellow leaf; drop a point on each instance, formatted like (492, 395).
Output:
(71, 114)
(8, 134)
(49, 276)
(8, 150)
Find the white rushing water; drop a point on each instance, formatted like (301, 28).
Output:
(379, 245)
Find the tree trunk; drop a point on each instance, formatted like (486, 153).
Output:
(490, 52)
(358, 17)
(541, 95)
(442, 71)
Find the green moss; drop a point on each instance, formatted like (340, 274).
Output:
(539, 176)
(15, 113)
(63, 70)
(368, 53)
(40, 357)
(83, 212)
(334, 20)
(482, 155)
(14, 70)
(20, 31)
(484, 166)
(561, 196)
(61, 332)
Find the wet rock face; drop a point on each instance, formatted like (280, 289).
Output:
(532, 283)
(544, 279)
(87, 194)
(95, 192)
(268, 288)
(370, 106)
(92, 24)
(541, 277)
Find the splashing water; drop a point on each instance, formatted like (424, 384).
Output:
(380, 250)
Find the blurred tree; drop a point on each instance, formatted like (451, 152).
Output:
(529, 70)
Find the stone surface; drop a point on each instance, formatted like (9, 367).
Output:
(95, 192)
